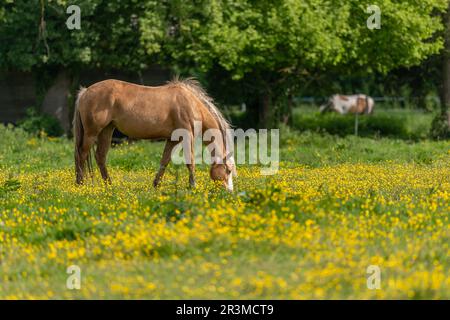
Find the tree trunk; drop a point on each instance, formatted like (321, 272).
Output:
(441, 123)
(264, 110)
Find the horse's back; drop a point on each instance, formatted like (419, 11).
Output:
(138, 111)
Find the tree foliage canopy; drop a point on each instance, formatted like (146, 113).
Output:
(240, 35)
(243, 36)
(273, 43)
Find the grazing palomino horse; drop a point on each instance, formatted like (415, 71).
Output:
(144, 112)
(358, 104)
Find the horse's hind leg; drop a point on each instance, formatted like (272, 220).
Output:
(88, 142)
(103, 145)
(164, 161)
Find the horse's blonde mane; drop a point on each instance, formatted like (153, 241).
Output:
(194, 86)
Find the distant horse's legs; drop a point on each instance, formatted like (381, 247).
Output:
(103, 144)
(164, 161)
(88, 141)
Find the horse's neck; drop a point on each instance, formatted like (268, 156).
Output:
(211, 127)
(209, 122)
(216, 148)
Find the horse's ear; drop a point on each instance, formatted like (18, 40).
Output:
(231, 165)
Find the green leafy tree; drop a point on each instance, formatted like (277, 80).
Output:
(35, 38)
(34, 35)
(275, 45)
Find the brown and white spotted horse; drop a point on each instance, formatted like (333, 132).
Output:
(356, 104)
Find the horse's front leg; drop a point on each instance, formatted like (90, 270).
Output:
(190, 162)
(164, 161)
(191, 168)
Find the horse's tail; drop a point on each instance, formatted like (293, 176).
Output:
(78, 133)
(224, 126)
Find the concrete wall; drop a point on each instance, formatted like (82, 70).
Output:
(56, 100)
(17, 93)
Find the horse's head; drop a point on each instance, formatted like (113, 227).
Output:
(223, 172)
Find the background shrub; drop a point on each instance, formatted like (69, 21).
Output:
(36, 123)
(394, 123)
